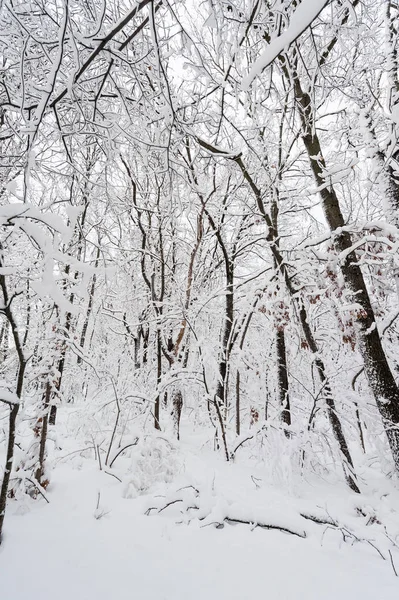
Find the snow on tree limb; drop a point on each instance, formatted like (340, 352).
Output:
(8, 397)
(303, 17)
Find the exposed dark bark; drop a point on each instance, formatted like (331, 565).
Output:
(159, 377)
(282, 377)
(40, 471)
(14, 408)
(177, 404)
(330, 403)
(89, 306)
(12, 423)
(281, 354)
(221, 388)
(4, 340)
(238, 403)
(331, 409)
(271, 237)
(68, 317)
(377, 369)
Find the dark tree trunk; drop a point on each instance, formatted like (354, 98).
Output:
(39, 474)
(331, 410)
(14, 408)
(221, 389)
(12, 422)
(159, 377)
(329, 399)
(177, 404)
(238, 402)
(377, 369)
(89, 307)
(282, 378)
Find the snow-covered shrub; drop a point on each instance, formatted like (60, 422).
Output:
(155, 460)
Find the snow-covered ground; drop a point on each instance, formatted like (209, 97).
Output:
(94, 541)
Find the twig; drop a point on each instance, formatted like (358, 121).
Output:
(170, 504)
(113, 475)
(122, 450)
(232, 455)
(38, 487)
(75, 452)
(266, 526)
(319, 520)
(118, 414)
(393, 564)
(186, 487)
(99, 457)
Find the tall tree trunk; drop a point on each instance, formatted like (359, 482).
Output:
(282, 378)
(221, 388)
(60, 369)
(281, 354)
(89, 306)
(14, 407)
(331, 409)
(334, 419)
(159, 378)
(238, 403)
(377, 369)
(12, 424)
(40, 471)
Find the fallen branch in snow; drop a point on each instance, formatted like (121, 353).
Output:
(217, 511)
(267, 526)
(319, 520)
(229, 517)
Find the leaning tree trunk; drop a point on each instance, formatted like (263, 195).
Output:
(311, 342)
(271, 237)
(334, 419)
(377, 369)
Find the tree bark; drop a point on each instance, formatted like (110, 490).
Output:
(282, 378)
(377, 369)
(331, 409)
(14, 408)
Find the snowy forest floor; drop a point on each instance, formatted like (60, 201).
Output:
(101, 539)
